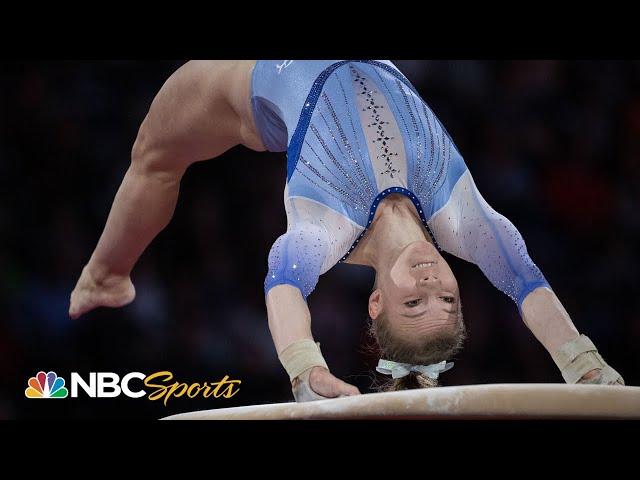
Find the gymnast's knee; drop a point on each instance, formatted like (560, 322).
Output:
(151, 158)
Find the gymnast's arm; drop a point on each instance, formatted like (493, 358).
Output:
(468, 227)
(295, 262)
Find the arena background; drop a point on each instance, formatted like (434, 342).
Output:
(552, 145)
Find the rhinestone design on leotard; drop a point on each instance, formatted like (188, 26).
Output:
(376, 125)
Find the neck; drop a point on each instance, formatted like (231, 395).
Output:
(396, 224)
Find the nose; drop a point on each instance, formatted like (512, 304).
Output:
(428, 278)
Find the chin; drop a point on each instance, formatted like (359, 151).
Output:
(422, 251)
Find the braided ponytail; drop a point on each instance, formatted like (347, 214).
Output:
(409, 382)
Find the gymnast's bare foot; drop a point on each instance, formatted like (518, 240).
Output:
(94, 290)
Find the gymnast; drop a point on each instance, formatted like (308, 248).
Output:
(373, 178)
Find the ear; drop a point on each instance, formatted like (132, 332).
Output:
(375, 303)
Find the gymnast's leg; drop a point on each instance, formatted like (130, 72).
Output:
(194, 117)
(143, 206)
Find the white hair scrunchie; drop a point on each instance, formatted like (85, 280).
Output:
(399, 370)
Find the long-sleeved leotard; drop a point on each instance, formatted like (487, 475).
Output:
(356, 131)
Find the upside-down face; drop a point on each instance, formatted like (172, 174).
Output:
(417, 295)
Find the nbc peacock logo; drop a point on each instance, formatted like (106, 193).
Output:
(46, 385)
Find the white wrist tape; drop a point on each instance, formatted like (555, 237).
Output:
(300, 356)
(577, 357)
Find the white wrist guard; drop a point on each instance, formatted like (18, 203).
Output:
(577, 357)
(300, 356)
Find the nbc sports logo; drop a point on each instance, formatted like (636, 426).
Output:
(46, 385)
(110, 385)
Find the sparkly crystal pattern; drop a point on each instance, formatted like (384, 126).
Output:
(377, 125)
(296, 258)
(468, 227)
(295, 146)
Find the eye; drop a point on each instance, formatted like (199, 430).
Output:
(448, 299)
(413, 303)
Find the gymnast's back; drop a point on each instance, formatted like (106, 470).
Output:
(356, 131)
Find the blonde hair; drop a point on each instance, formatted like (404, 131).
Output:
(419, 352)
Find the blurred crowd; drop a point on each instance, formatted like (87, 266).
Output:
(552, 145)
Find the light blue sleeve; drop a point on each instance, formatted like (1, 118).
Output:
(468, 227)
(296, 258)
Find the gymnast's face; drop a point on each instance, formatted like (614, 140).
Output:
(418, 293)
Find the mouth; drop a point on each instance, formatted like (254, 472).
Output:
(424, 264)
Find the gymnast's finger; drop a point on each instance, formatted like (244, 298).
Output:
(347, 390)
(324, 383)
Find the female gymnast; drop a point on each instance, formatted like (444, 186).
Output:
(373, 178)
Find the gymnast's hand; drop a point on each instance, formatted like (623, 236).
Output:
(318, 383)
(580, 362)
(324, 383)
(605, 376)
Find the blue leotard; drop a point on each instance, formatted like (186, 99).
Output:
(356, 131)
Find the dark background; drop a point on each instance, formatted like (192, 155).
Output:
(552, 145)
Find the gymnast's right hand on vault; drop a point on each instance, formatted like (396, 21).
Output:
(318, 383)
